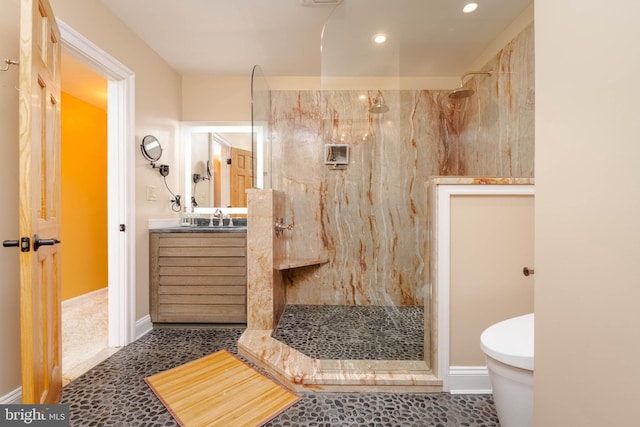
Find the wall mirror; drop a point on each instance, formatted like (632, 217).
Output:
(151, 148)
(218, 165)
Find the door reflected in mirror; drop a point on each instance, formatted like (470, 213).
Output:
(218, 163)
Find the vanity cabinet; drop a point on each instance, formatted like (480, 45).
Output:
(198, 277)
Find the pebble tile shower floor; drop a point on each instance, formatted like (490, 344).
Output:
(114, 393)
(341, 332)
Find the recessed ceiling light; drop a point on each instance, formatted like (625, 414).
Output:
(469, 7)
(380, 38)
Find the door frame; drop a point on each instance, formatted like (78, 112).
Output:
(120, 173)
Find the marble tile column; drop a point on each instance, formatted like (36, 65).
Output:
(265, 289)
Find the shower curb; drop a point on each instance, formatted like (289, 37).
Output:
(302, 373)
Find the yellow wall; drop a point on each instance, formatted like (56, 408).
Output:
(84, 197)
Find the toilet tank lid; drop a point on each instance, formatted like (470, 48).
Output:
(510, 341)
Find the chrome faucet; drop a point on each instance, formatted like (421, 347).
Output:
(280, 227)
(218, 214)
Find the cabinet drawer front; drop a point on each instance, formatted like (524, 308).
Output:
(202, 290)
(202, 262)
(202, 300)
(203, 271)
(201, 251)
(203, 280)
(194, 242)
(233, 314)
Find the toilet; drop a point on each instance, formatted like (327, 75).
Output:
(508, 347)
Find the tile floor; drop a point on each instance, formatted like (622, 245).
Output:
(114, 392)
(339, 332)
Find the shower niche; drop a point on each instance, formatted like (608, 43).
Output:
(336, 156)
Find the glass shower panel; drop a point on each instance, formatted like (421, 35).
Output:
(373, 200)
(261, 134)
(350, 56)
(368, 301)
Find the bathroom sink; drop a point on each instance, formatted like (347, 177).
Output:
(215, 223)
(239, 226)
(216, 227)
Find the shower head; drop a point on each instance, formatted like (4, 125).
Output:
(461, 92)
(379, 105)
(465, 92)
(378, 108)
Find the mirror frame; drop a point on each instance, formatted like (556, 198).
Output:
(146, 141)
(199, 127)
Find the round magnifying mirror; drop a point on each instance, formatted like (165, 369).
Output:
(209, 169)
(151, 148)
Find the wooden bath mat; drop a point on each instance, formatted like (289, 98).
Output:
(220, 390)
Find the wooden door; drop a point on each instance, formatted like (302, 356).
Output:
(217, 187)
(39, 204)
(241, 174)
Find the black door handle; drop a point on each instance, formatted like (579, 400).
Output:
(24, 244)
(37, 242)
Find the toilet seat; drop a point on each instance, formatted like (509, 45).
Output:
(510, 341)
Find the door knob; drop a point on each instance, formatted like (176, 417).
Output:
(37, 242)
(527, 271)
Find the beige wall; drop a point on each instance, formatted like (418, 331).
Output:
(587, 213)
(216, 98)
(491, 241)
(504, 38)
(157, 112)
(9, 275)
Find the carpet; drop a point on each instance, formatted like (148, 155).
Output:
(220, 390)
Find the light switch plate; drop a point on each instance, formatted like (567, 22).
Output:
(152, 194)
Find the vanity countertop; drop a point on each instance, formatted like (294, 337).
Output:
(200, 229)
(173, 226)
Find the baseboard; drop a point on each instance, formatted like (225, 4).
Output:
(83, 296)
(143, 326)
(469, 380)
(15, 397)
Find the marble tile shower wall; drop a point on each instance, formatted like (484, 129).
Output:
(371, 217)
